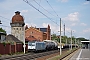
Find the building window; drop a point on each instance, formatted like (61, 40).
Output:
(17, 36)
(31, 32)
(13, 28)
(17, 28)
(20, 28)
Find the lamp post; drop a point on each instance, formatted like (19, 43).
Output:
(60, 38)
(75, 42)
(71, 39)
(24, 41)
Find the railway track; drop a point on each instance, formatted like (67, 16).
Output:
(30, 56)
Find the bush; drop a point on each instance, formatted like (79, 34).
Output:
(0, 55)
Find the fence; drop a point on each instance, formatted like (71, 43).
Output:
(8, 48)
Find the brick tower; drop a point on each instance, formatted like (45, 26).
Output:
(17, 26)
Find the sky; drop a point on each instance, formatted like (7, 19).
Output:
(75, 14)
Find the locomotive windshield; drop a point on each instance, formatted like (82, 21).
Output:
(31, 44)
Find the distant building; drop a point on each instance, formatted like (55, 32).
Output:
(39, 34)
(17, 26)
(2, 36)
(29, 34)
(12, 39)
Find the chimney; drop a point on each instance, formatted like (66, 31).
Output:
(17, 12)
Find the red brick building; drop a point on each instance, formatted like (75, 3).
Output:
(39, 34)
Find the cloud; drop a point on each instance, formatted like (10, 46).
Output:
(72, 17)
(87, 2)
(30, 24)
(68, 29)
(54, 28)
(63, 0)
(83, 24)
(24, 11)
(73, 24)
(86, 30)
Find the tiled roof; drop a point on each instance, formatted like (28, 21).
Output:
(31, 38)
(17, 18)
(12, 38)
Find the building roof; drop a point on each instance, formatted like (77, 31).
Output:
(2, 33)
(17, 18)
(12, 38)
(85, 41)
(42, 29)
(30, 38)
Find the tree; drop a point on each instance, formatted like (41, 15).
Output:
(2, 30)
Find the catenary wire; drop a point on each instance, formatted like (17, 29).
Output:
(52, 8)
(44, 8)
(39, 11)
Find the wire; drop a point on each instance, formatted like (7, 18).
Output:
(39, 11)
(43, 8)
(52, 7)
(39, 4)
(4, 18)
(5, 26)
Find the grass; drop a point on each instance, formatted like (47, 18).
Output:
(63, 54)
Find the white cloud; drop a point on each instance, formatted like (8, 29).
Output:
(87, 2)
(73, 24)
(24, 11)
(45, 24)
(86, 30)
(54, 28)
(31, 24)
(63, 0)
(83, 24)
(68, 29)
(72, 17)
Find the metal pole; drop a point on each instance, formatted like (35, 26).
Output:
(71, 39)
(64, 34)
(24, 40)
(66, 41)
(75, 42)
(60, 38)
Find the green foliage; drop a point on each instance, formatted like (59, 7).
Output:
(4, 44)
(1, 30)
(0, 55)
(54, 36)
(82, 39)
(63, 39)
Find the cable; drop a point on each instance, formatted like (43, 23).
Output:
(43, 8)
(5, 26)
(4, 18)
(52, 8)
(39, 4)
(39, 11)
